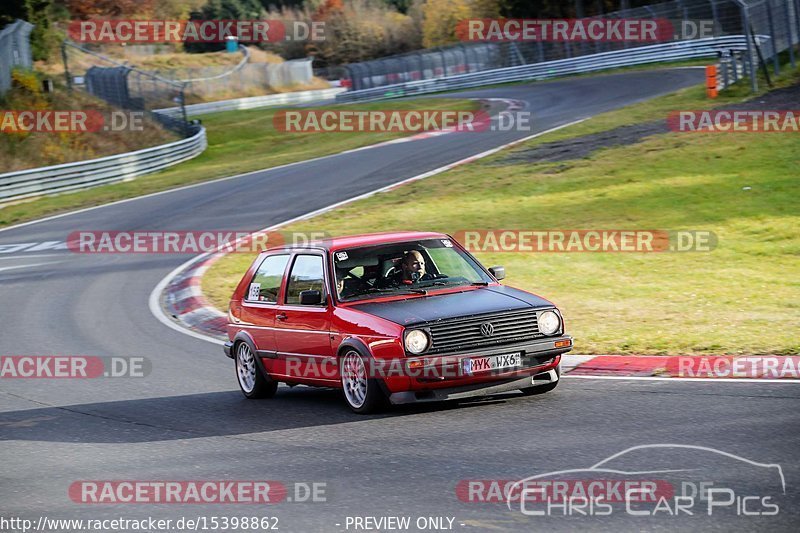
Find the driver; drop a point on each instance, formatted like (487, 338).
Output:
(412, 270)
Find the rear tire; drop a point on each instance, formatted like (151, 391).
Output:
(362, 393)
(252, 380)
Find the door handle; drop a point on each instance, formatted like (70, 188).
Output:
(281, 316)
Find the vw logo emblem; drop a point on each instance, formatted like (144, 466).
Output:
(487, 329)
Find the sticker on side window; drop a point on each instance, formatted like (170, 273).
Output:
(255, 291)
(447, 243)
(341, 256)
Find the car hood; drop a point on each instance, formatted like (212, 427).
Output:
(479, 301)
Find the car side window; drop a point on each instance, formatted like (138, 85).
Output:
(266, 284)
(307, 274)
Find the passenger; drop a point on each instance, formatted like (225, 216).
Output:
(342, 288)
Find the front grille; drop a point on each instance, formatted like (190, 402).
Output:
(455, 334)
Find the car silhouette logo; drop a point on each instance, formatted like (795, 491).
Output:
(602, 468)
(487, 329)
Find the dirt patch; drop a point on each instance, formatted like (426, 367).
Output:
(581, 147)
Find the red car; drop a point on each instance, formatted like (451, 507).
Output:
(390, 318)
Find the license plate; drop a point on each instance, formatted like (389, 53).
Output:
(493, 362)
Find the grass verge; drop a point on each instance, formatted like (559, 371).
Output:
(741, 298)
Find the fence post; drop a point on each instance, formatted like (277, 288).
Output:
(773, 39)
(724, 64)
(714, 14)
(789, 31)
(66, 66)
(797, 19)
(183, 110)
(751, 67)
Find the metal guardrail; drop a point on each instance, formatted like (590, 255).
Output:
(15, 50)
(85, 174)
(667, 52)
(253, 102)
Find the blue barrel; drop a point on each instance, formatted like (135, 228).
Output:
(231, 44)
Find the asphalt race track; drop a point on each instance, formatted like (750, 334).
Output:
(187, 420)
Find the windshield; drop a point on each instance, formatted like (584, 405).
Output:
(403, 268)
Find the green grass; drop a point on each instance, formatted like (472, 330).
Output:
(238, 142)
(744, 297)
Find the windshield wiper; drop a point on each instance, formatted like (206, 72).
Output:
(398, 290)
(456, 283)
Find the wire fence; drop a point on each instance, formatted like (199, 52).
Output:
(247, 79)
(131, 88)
(126, 87)
(770, 26)
(15, 51)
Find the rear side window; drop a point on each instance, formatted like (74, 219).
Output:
(267, 282)
(306, 275)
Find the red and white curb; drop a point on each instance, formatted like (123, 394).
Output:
(184, 301)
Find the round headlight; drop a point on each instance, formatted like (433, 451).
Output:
(416, 341)
(549, 322)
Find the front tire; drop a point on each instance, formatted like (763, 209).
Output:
(362, 393)
(252, 381)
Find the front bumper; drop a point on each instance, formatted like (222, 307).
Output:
(475, 390)
(440, 373)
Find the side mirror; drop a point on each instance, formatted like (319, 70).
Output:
(498, 272)
(310, 298)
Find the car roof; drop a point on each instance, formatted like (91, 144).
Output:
(368, 239)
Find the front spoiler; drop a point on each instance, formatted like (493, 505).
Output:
(475, 390)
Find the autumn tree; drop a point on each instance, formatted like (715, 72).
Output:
(442, 18)
(85, 9)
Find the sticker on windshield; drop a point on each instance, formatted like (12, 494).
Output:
(255, 291)
(341, 256)
(447, 243)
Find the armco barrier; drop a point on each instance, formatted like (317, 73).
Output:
(85, 174)
(253, 102)
(15, 51)
(673, 51)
